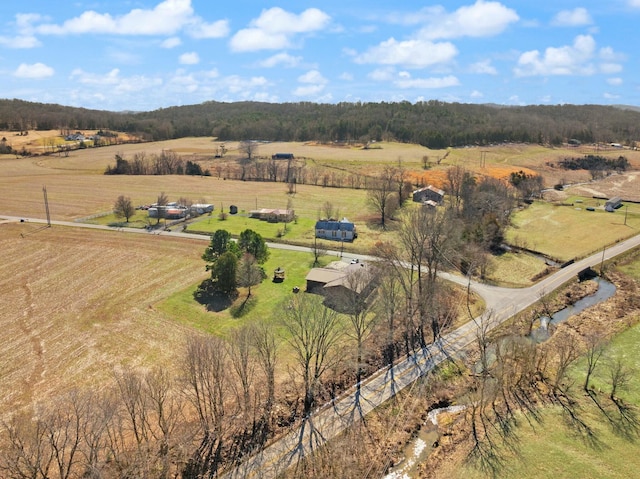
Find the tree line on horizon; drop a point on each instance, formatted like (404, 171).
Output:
(433, 124)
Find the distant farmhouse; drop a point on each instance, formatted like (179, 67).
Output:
(273, 215)
(171, 211)
(429, 195)
(613, 204)
(175, 211)
(201, 209)
(343, 230)
(282, 156)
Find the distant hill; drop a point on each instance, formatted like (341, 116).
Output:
(434, 124)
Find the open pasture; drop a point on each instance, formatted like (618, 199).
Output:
(569, 231)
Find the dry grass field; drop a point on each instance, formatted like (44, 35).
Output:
(75, 303)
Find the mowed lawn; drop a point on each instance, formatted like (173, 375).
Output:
(263, 305)
(568, 232)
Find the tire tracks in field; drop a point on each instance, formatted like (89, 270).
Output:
(34, 339)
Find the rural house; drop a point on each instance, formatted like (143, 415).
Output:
(613, 204)
(339, 280)
(273, 215)
(343, 230)
(428, 193)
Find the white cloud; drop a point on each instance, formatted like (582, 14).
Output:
(313, 83)
(577, 17)
(483, 67)
(615, 81)
(382, 74)
(35, 71)
(308, 90)
(167, 18)
(171, 42)
(566, 60)
(235, 83)
(184, 82)
(611, 96)
(634, 3)
(476, 94)
(610, 68)
(346, 76)
(190, 58)
(312, 76)
(21, 41)
(275, 28)
(199, 29)
(482, 19)
(409, 53)
(115, 82)
(283, 59)
(405, 81)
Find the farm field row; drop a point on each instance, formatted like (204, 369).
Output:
(75, 304)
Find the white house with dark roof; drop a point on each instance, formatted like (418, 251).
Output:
(337, 230)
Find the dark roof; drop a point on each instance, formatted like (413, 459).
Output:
(342, 225)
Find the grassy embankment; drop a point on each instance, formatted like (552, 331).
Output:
(552, 449)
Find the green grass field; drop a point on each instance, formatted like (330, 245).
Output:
(568, 232)
(265, 298)
(298, 231)
(552, 450)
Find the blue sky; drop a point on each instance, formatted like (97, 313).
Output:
(148, 54)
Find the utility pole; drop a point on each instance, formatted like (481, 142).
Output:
(626, 209)
(483, 158)
(602, 261)
(46, 205)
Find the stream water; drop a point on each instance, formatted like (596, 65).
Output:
(605, 290)
(421, 446)
(417, 450)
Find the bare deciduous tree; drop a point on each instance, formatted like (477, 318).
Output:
(206, 376)
(123, 208)
(248, 150)
(313, 332)
(382, 196)
(249, 272)
(265, 343)
(353, 298)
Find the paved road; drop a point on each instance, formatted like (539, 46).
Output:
(328, 421)
(333, 418)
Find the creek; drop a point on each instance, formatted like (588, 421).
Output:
(605, 290)
(419, 448)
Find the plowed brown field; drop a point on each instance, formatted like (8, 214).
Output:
(75, 304)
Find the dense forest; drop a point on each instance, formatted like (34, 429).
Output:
(433, 124)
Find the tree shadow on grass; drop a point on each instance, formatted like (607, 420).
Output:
(239, 310)
(213, 300)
